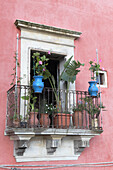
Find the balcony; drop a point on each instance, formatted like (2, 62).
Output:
(40, 117)
(20, 115)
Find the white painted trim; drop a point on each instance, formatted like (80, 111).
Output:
(105, 79)
(47, 158)
(45, 28)
(33, 39)
(43, 42)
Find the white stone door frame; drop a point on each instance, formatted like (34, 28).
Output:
(44, 38)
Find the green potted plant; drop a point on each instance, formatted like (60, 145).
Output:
(68, 74)
(71, 69)
(40, 71)
(78, 114)
(62, 119)
(94, 68)
(49, 111)
(24, 121)
(44, 114)
(16, 120)
(32, 111)
(93, 110)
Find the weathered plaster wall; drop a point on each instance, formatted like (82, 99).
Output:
(94, 20)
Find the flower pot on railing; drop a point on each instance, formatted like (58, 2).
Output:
(39, 67)
(93, 89)
(38, 85)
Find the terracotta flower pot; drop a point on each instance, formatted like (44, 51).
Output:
(62, 120)
(33, 119)
(16, 123)
(44, 120)
(77, 119)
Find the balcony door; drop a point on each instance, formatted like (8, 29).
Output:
(53, 66)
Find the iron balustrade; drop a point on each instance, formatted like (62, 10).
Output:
(72, 109)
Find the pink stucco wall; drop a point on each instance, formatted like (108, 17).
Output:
(95, 20)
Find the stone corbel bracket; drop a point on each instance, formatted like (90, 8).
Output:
(53, 143)
(50, 144)
(20, 143)
(80, 144)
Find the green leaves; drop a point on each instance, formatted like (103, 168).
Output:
(14, 73)
(67, 62)
(68, 75)
(25, 97)
(71, 70)
(43, 58)
(90, 62)
(31, 100)
(94, 67)
(46, 74)
(39, 65)
(36, 54)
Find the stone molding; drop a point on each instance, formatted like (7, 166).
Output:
(31, 25)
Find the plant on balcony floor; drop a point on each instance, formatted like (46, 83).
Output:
(51, 110)
(40, 71)
(78, 114)
(45, 112)
(62, 120)
(32, 111)
(16, 120)
(68, 75)
(93, 110)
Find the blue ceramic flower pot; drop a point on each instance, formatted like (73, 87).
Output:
(38, 85)
(93, 89)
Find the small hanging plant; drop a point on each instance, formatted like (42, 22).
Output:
(39, 65)
(94, 68)
(40, 71)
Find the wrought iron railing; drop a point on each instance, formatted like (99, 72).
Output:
(72, 109)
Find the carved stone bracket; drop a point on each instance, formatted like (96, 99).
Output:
(50, 144)
(20, 147)
(20, 143)
(53, 143)
(80, 145)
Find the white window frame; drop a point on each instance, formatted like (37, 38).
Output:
(104, 85)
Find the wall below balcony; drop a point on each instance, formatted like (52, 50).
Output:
(50, 144)
(94, 20)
